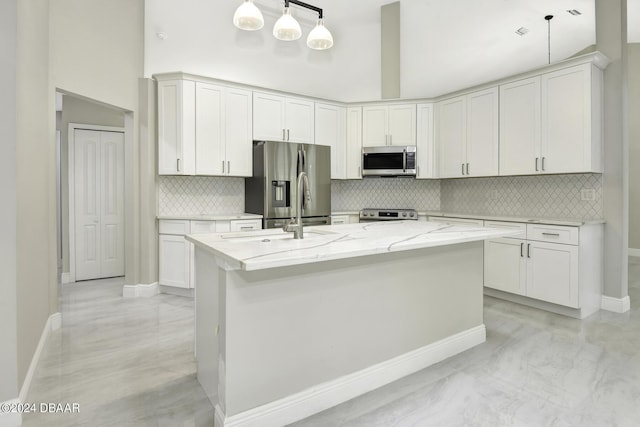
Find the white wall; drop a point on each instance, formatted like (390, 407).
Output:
(634, 144)
(8, 332)
(202, 40)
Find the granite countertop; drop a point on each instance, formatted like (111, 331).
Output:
(274, 248)
(574, 222)
(211, 217)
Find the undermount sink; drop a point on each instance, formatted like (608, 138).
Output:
(276, 235)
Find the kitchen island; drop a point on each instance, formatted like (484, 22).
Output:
(286, 328)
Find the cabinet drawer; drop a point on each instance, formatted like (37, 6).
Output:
(454, 221)
(553, 233)
(339, 219)
(174, 226)
(246, 225)
(522, 228)
(203, 227)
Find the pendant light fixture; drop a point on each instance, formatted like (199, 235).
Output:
(548, 18)
(248, 16)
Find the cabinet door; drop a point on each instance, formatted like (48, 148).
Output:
(210, 124)
(452, 137)
(176, 127)
(520, 127)
(552, 273)
(354, 143)
(375, 129)
(174, 260)
(566, 121)
(299, 120)
(505, 265)
(238, 140)
(268, 117)
(245, 225)
(402, 124)
(425, 150)
(482, 133)
(331, 130)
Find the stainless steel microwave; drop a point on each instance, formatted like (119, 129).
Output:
(389, 161)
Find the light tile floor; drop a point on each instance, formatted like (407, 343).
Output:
(128, 362)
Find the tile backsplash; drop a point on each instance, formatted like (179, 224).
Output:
(193, 195)
(401, 193)
(545, 196)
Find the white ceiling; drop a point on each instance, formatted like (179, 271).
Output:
(445, 45)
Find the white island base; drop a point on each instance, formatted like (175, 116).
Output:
(277, 345)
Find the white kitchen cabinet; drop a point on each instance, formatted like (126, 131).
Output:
(353, 166)
(203, 129)
(176, 127)
(176, 254)
(331, 130)
(389, 125)
(339, 219)
(280, 118)
(468, 135)
(560, 265)
(552, 123)
(425, 147)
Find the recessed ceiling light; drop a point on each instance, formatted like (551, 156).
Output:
(574, 12)
(522, 31)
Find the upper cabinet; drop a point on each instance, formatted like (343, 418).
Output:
(280, 118)
(389, 125)
(353, 159)
(467, 135)
(331, 130)
(203, 129)
(425, 147)
(552, 123)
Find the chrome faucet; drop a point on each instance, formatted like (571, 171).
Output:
(295, 225)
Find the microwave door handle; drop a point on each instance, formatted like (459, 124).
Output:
(404, 160)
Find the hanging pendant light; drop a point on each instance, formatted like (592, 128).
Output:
(287, 28)
(320, 38)
(248, 16)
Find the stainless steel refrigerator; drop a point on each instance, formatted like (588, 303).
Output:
(272, 190)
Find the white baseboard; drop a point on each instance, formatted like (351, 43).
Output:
(323, 396)
(66, 278)
(10, 419)
(634, 252)
(140, 290)
(617, 305)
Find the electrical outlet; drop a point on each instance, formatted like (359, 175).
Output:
(588, 194)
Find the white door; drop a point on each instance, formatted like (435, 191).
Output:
(268, 117)
(452, 136)
(354, 144)
(175, 261)
(99, 204)
(552, 273)
(299, 120)
(520, 127)
(238, 140)
(375, 126)
(482, 133)
(505, 265)
(424, 142)
(209, 129)
(331, 130)
(402, 124)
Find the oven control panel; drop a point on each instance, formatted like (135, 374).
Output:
(388, 214)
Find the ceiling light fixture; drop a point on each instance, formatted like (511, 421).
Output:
(286, 27)
(548, 18)
(574, 12)
(522, 31)
(248, 16)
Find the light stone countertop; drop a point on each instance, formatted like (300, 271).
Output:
(532, 220)
(274, 248)
(211, 217)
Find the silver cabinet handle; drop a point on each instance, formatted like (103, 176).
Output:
(288, 134)
(223, 166)
(551, 234)
(528, 250)
(543, 164)
(536, 164)
(521, 249)
(359, 171)
(467, 168)
(418, 170)
(284, 138)
(228, 166)
(390, 139)
(178, 165)
(462, 166)
(248, 227)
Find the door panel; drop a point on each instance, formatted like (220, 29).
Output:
(209, 129)
(552, 272)
(452, 136)
(112, 212)
(482, 133)
(505, 265)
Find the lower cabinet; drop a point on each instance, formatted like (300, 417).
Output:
(175, 253)
(345, 219)
(556, 264)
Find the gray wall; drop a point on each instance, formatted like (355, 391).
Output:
(8, 332)
(76, 110)
(634, 144)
